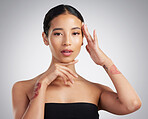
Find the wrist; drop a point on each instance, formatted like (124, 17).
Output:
(107, 63)
(43, 82)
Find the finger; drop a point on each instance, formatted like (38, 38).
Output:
(73, 62)
(69, 70)
(82, 27)
(64, 77)
(82, 23)
(65, 82)
(89, 36)
(86, 33)
(60, 74)
(87, 48)
(68, 75)
(95, 36)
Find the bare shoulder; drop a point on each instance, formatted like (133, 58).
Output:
(92, 84)
(22, 85)
(20, 97)
(103, 87)
(99, 86)
(25, 84)
(21, 88)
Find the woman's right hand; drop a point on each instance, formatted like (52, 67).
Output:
(59, 69)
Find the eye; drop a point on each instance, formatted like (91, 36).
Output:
(76, 33)
(57, 34)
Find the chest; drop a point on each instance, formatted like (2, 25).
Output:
(81, 92)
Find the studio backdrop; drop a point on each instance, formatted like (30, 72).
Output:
(121, 27)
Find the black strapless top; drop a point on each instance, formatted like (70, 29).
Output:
(75, 110)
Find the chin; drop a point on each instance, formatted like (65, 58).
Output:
(66, 60)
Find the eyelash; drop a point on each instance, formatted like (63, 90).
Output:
(75, 33)
(57, 34)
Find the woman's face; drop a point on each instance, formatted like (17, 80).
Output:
(65, 33)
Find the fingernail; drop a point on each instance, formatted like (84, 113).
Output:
(73, 82)
(87, 28)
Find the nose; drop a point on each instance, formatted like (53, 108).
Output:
(67, 40)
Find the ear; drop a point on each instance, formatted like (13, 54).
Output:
(45, 39)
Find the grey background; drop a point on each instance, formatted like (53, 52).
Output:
(122, 28)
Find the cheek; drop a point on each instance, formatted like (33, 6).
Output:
(78, 42)
(77, 39)
(54, 43)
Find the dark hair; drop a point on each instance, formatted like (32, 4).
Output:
(58, 10)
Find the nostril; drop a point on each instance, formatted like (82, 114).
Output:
(66, 44)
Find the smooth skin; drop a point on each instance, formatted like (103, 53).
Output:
(56, 84)
(126, 100)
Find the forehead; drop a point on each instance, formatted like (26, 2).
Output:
(65, 20)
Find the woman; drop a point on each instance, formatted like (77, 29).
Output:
(59, 92)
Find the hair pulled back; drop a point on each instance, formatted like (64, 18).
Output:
(56, 11)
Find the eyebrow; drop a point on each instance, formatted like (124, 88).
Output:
(63, 29)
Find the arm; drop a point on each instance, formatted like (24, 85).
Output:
(125, 100)
(22, 108)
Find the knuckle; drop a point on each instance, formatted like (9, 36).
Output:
(56, 65)
(64, 76)
(57, 71)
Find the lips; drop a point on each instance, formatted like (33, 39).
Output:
(67, 52)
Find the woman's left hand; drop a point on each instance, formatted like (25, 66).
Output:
(92, 47)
